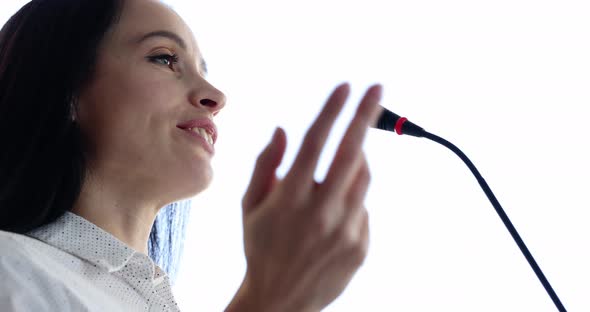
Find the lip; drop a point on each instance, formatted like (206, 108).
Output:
(197, 137)
(204, 123)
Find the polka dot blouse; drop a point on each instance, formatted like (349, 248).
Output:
(73, 265)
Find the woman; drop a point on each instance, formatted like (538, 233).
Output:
(102, 104)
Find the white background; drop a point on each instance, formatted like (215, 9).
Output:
(506, 81)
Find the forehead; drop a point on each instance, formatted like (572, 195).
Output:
(139, 17)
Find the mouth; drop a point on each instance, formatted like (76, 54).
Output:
(203, 133)
(201, 137)
(203, 127)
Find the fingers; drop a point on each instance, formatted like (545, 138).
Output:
(360, 184)
(263, 177)
(350, 242)
(301, 173)
(348, 225)
(353, 201)
(356, 243)
(365, 237)
(348, 155)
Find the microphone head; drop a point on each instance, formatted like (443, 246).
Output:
(390, 121)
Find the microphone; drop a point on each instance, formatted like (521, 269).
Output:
(390, 121)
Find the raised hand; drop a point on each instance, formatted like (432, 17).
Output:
(304, 240)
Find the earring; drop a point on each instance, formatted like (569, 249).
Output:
(73, 113)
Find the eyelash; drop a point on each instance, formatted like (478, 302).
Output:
(172, 58)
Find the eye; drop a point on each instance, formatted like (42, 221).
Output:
(165, 59)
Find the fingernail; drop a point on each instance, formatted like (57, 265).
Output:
(345, 86)
(270, 144)
(275, 134)
(377, 92)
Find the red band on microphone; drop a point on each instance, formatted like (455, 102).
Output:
(399, 124)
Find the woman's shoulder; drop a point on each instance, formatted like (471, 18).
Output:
(24, 286)
(15, 244)
(15, 250)
(22, 254)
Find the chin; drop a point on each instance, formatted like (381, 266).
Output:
(188, 181)
(188, 193)
(196, 186)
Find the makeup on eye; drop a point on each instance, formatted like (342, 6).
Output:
(171, 58)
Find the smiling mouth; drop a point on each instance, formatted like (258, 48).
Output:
(204, 140)
(203, 133)
(202, 126)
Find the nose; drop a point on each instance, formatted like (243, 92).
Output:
(209, 97)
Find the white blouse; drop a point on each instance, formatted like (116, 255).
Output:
(73, 265)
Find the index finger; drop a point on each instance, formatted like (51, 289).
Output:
(301, 173)
(348, 156)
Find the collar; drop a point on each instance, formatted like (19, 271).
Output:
(83, 239)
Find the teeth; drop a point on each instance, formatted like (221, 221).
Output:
(203, 133)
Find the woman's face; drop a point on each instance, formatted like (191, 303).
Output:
(139, 94)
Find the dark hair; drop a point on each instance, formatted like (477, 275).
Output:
(48, 51)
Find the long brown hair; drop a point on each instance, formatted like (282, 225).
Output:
(48, 51)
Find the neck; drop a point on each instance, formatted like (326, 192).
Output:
(124, 209)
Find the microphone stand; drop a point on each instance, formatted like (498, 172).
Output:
(389, 121)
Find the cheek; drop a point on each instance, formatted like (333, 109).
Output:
(137, 95)
(125, 110)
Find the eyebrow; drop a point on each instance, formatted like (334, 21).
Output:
(174, 37)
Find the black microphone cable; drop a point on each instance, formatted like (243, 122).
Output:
(389, 121)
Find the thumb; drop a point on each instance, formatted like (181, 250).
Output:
(263, 177)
